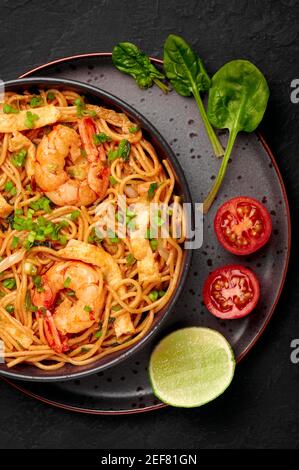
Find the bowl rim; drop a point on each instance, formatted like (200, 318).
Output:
(181, 179)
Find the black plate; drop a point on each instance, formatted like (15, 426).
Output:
(100, 97)
(253, 172)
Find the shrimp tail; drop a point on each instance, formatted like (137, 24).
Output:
(55, 341)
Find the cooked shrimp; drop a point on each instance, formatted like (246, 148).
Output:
(81, 183)
(97, 256)
(19, 122)
(69, 316)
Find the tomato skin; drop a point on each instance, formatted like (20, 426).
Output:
(229, 273)
(253, 243)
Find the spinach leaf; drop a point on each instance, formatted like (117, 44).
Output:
(188, 76)
(238, 99)
(129, 59)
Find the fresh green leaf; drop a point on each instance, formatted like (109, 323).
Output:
(238, 99)
(188, 76)
(129, 59)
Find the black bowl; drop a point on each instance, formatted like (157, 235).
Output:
(98, 96)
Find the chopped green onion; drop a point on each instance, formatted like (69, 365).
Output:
(81, 109)
(18, 159)
(94, 238)
(87, 308)
(124, 149)
(50, 96)
(70, 293)
(15, 242)
(42, 204)
(151, 190)
(8, 187)
(67, 282)
(153, 295)
(119, 217)
(116, 308)
(112, 155)
(101, 138)
(19, 212)
(85, 350)
(130, 214)
(75, 215)
(130, 259)
(9, 308)
(28, 303)
(161, 293)
(8, 109)
(158, 221)
(154, 244)
(131, 224)
(9, 283)
(98, 334)
(36, 101)
(63, 239)
(134, 129)
(31, 119)
(112, 180)
(30, 268)
(43, 310)
(113, 238)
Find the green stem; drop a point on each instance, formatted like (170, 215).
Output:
(161, 85)
(222, 170)
(217, 147)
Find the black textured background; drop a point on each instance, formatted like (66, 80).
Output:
(261, 408)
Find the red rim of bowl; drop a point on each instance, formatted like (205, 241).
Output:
(256, 338)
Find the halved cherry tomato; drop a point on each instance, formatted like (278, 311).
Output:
(242, 225)
(231, 292)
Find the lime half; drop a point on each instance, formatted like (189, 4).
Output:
(191, 367)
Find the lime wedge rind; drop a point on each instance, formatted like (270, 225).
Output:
(191, 367)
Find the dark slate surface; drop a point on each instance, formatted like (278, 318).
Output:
(261, 408)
